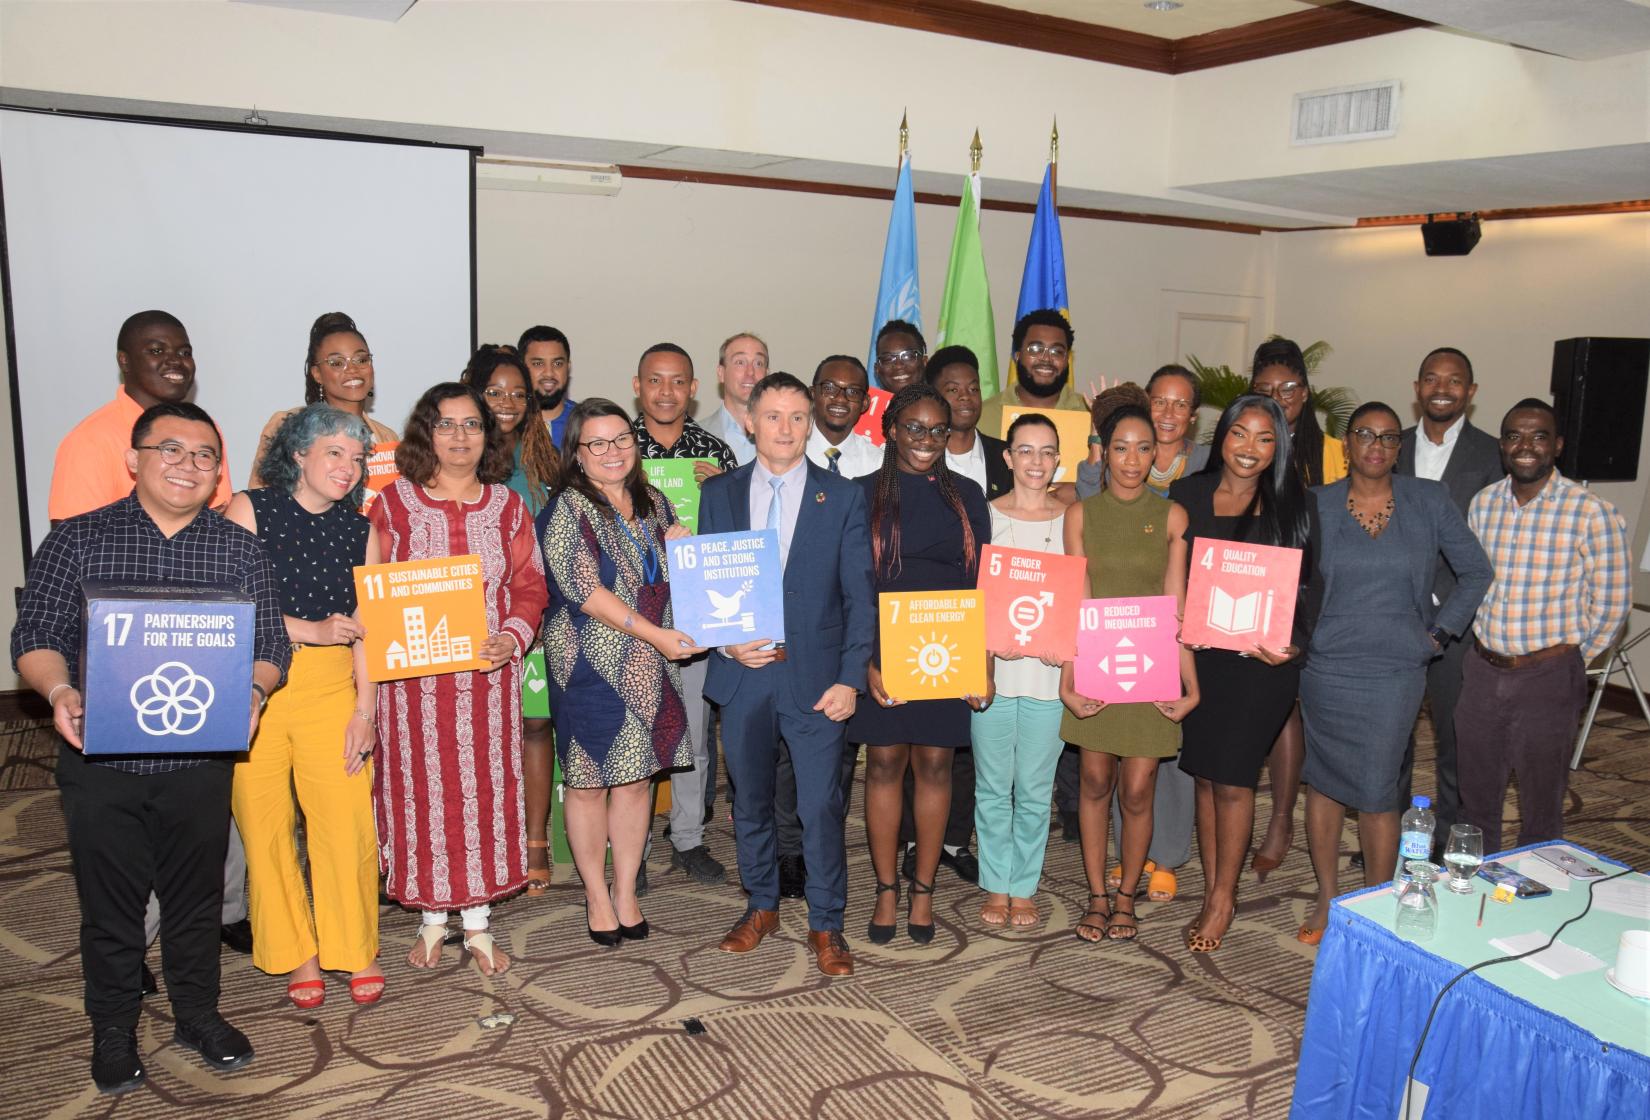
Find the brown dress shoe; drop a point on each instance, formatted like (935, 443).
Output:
(831, 952)
(750, 930)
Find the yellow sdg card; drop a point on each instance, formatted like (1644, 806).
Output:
(422, 617)
(933, 644)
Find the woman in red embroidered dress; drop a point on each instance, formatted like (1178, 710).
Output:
(448, 786)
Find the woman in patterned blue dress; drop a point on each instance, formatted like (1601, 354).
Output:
(609, 648)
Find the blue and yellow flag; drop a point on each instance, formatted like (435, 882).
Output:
(1044, 282)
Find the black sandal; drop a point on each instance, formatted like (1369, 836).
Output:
(1092, 912)
(879, 934)
(921, 934)
(1129, 931)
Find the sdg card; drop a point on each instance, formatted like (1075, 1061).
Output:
(1240, 595)
(381, 472)
(1074, 428)
(1126, 650)
(933, 644)
(870, 425)
(165, 669)
(674, 479)
(423, 617)
(728, 588)
(1031, 601)
(535, 687)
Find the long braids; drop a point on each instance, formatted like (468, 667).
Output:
(885, 519)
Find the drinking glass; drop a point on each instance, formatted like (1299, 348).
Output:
(1462, 855)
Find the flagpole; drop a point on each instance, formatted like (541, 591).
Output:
(904, 136)
(1054, 159)
(975, 150)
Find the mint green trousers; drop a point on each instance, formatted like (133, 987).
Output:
(1016, 746)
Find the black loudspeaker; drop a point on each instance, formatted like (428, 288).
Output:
(1598, 392)
(1450, 238)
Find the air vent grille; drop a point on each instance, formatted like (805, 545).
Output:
(1336, 116)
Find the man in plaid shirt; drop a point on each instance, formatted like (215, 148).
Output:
(1561, 592)
(142, 823)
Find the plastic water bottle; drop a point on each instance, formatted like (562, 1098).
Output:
(1417, 917)
(1415, 834)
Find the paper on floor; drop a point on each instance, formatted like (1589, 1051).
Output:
(1559, 961)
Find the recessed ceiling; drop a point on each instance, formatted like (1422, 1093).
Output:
(1193, 17)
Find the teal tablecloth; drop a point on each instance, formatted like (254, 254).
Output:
(1508, 1042)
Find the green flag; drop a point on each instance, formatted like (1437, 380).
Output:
(965, 309)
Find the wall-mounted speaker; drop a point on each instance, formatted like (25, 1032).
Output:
(1598, 392)
(1450, 238)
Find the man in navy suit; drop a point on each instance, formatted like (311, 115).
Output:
(1446, 448)
(803, 690)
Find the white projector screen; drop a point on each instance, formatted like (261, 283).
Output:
(244, 235)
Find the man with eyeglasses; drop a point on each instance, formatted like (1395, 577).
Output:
(1042, 351)
(741, 361)
(840, 399)
(549, 358)
(665, 386)
(900, 354)
(142, 823)
(1446, 447)
(157, 365)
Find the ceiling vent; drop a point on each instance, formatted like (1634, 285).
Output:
(1336, 116)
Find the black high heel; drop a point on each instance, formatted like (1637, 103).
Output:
(637, 932)
(922, 934)
(881, 935)
(606, 938)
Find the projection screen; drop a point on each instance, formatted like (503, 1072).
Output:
(246, 235)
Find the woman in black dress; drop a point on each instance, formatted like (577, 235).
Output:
(928, 525)
(1248, 493)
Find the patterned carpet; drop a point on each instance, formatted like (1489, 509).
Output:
(982, 1023)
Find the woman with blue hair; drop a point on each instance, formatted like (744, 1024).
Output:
(317, 734)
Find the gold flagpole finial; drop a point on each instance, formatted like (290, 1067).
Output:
(1054, 142)
(975, 150)
(904, 135)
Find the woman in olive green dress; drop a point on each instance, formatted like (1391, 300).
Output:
(1135, 544)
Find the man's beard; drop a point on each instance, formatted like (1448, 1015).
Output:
(549, 402)
(1053, 390)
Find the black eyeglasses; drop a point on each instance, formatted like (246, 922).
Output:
(599, 446)
(832, 389)
(917, 431)
(1363, 437)
(172, 454)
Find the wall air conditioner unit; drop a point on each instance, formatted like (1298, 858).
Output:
(1336, 116)
(501, 173)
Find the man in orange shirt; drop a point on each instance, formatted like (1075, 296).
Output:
(157, 365)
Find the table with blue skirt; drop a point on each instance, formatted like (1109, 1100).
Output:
(1507, 1043)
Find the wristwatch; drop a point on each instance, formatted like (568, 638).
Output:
(1441, 636)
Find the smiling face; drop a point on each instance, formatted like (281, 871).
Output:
(1375, 459)
(839, 398)
(664, 384)
(175, 491)
(1129, 454)
(1444, 389)
(607, 464)
(343, 368)
(551, 369)
(959, 384)
(506, 396)
(1529, 445)
(160, 366)
(1042, 358)
(331, 468)
(779, 428)
(1251, 443)
(458, 449)
(743, 364)
(1286, 387)
(1034, 455)
(899, 360)
(1171, 397)
(920, 432)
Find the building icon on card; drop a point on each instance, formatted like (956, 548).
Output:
(425, 647)
(1243, 614)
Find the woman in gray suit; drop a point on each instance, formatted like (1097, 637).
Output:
(1377, 631)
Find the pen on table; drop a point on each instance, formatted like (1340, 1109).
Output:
(1483, 898)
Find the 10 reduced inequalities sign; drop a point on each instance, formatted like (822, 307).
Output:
(1127, 652)
(728, 588)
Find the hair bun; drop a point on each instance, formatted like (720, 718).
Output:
(1118, 396)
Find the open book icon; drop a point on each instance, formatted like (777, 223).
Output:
(1241, 615)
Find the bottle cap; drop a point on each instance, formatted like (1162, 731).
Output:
(1421, 801)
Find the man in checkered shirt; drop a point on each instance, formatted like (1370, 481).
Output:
(137, 824)
(1561, 593)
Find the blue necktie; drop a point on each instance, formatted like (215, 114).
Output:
(774, 507)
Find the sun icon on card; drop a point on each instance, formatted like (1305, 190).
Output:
(933, 658)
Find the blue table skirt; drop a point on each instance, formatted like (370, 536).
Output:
(1488, 1055)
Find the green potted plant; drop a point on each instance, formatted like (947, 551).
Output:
(1221, 385)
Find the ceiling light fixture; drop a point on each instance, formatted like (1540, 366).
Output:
(1164, 5)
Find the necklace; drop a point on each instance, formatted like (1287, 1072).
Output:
(1048, 534)
(1375, 522)
(1159, 480)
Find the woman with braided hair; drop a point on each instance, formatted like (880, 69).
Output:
(927, 528)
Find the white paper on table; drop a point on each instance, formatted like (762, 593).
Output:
(1559, 961)
(1544, 873)
(1629, 897)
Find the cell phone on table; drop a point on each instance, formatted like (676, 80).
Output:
(1563, 859)
(1501, 875)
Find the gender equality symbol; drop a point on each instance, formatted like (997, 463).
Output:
(172, 700)
(1026, 614)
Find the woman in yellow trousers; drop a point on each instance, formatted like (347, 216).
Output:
(316, 736)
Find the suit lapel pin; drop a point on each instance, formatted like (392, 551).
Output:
(819, 497)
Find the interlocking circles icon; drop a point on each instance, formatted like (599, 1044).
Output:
(173, 700)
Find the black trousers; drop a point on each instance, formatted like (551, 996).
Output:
(130, 834)
(959, 823)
